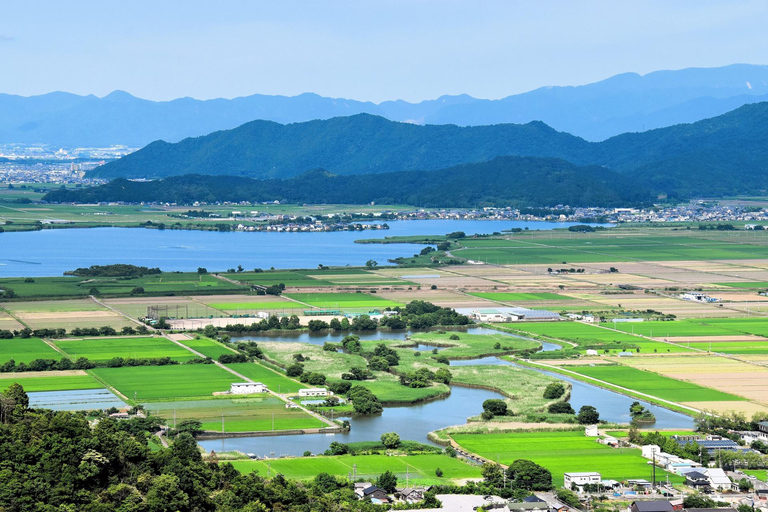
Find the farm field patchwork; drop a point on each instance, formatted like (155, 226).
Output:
(654, 384)
(24, 350)
(420, 468)
(72, 286)
(521, 297)
(50, 381)
(538, 248)
(245, 414)
(560, 452)
(103, 349)
(248, 307)
(147, 383)
(297, 279)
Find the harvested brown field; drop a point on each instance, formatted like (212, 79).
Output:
(746, 408)
(8, 323)
(721, 373)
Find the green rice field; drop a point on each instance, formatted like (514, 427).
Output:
(420, 468)
(343, 300)
(672, 328)
(596, 337)
(561, 452)
(72, 286)
(732, 347)
(758, 284)
(65, 382)
(274, 381)
(557, 248)
(147, 383)
(24, 350)
(295, 279)
(520, 297)
(207, 347)
(245, 307)
(246, 414)
(654, 384)
(103, 349)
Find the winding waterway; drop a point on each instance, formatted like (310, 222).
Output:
(414, 422)
(51, 252)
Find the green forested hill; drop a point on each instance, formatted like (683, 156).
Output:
(501, 181)
(358, 144)
(722, 155)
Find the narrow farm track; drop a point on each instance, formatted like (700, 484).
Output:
(133, 320)
(246, 379)
(608, 385)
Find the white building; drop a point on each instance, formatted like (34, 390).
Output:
(314, 392)
(579, 480)
(494, 316)
(247, 388)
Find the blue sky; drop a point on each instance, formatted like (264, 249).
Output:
(366, 50)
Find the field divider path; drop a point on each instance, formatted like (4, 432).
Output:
(608, 385)
(659, 340)
(107, 306)
(246, 379)
(10, 314)
(56, 348)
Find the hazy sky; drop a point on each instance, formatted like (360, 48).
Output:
(366, 50)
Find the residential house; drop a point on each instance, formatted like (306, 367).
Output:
(651, 506)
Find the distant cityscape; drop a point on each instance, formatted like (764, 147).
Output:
(44, 163)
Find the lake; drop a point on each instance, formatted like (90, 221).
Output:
(51, 252)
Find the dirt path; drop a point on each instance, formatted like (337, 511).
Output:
(133, 320)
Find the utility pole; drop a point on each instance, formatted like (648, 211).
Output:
(222, 423)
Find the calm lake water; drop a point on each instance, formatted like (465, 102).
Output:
(53, 251)
(414, 422)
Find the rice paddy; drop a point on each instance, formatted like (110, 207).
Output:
(105, 348)
(24, 350)
(560, 452)
(420, 469)
(148, 383)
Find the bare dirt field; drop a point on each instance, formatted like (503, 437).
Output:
(71, 319)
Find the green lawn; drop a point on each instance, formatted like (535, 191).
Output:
(561, 452)
(103, 349)
(420, 468)
(653, 384)
(520, 297)
(24, 350)
(207, 347)
(472, 345)
(274, 381)
(244, 414)
(31, 382)
(146, 383)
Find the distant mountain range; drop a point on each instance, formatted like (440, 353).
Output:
(624, 103)
(722, 155)
(507, 180)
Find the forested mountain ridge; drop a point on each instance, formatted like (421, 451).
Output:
(627, 102)
(503, 181)
(721, 155)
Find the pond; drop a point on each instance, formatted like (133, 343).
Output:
(320, 338)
